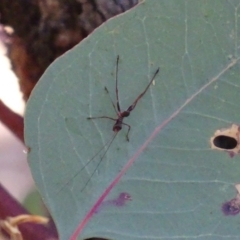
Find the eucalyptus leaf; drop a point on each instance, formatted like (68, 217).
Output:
(173, 183)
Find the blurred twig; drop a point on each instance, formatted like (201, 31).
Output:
(12, 121)
(10, 207)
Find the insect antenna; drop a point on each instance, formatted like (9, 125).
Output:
(108, 144)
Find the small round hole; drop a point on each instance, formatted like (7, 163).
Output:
(225, 142)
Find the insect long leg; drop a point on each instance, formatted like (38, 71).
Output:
(116, 89)
(118, 109)
(129, 128)
(109, 144)
(112, 101)
(114, 119)
(141, 95)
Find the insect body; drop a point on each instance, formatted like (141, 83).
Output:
(121, 115)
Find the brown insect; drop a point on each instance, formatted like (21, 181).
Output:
(118, 121)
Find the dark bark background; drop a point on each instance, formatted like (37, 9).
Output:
(45, 29)
(42, 31)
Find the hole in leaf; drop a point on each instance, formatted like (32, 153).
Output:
(225, 142)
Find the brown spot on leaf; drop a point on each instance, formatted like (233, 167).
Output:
(232, 207)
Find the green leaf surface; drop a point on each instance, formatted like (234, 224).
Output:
(176, 182)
